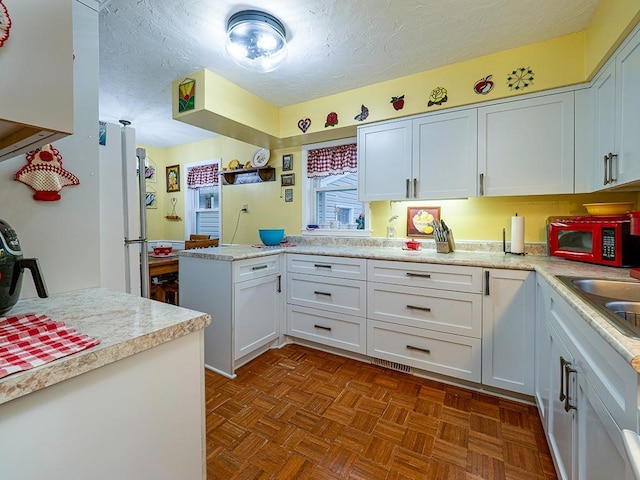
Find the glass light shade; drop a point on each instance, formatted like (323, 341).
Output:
(256, 40)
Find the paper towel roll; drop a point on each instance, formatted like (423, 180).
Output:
(517, 234)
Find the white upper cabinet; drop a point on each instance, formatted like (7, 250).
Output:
(384, 161)
(526, 147)
(445, 150)
(628, 113)
(36, 85)
(603, 93)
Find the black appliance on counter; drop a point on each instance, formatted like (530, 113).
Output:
(11, 267)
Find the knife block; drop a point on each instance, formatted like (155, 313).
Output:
(448, 246)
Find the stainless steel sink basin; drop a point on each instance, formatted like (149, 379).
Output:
(617, 300)
(618, 289)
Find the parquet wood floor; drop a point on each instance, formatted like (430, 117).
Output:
(297, 413)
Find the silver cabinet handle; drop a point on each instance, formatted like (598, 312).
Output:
(418, 349)
(415, 188)
(322, 327)
(415, 307)
(259, 267)
(327, 294)
(421, 275)
(606, 178)
(611, 157)
(481, 184)
(408, 187)
(318, 265)
(562, 395)
(568, 371)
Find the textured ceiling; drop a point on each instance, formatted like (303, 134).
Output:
(334, 45)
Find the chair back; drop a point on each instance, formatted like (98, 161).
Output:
(190, 244)
(196, 236)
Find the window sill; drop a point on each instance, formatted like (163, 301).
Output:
(335, 232)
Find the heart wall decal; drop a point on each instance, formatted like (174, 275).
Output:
(304, 124)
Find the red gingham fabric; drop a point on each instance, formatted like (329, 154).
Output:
(203, 176)
(323, 162)
(28, 341)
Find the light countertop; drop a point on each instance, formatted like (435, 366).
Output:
(125, 324)
(548, 267)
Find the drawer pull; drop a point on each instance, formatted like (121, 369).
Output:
(421, 275)
(415, 307)
(318, 265)
(326, 294)
(424, 350)
(322, 327)
(259, 267)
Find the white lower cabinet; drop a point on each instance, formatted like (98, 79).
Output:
(508, 330)
(426, 316)
(592, 397)
(326, 300)
(541, 350)
(244, 300)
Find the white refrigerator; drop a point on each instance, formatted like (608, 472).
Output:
(123, 231)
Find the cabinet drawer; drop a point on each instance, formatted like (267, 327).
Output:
(334, 329)
(441, 277)
(443, 353)
(337, 267)
(450, 312)
(256, 268)
(333, 294)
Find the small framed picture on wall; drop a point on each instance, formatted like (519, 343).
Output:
(287, 162)
(288, 194)
(173, 178)
(288, 180)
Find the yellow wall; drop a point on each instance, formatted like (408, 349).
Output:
(484, 218)
(610, 24)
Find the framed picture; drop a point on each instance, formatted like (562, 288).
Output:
(288, 179)
(420, 221)
(150, 199)
(173, 178)
(287, 162)
(288, 194)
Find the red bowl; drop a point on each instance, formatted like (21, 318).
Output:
(162, 250)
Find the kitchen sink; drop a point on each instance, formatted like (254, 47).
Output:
(617, 300)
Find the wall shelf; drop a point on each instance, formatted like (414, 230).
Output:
(248, 175)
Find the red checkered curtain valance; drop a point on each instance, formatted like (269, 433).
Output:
(323, 162)
(203, 176)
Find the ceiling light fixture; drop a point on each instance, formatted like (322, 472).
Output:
(256, 40)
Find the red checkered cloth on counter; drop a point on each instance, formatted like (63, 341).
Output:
(28, 341)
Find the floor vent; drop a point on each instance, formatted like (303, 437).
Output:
(392, 365)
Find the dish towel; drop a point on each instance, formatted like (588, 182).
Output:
(28, 341)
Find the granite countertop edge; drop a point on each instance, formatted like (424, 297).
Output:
(548, 267)
(125, 324)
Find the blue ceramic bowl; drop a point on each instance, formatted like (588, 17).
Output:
(271, 236)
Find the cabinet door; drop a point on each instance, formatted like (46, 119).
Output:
(257, 305)
(526, 147)
(600, 448)
(541, 355)
(508, 330)
(604, 111)
(384, 161)
(561, 431)
(445, 154)
(628, 111)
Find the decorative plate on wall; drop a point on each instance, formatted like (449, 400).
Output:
(260, 157)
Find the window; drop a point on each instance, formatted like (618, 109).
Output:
(331, 185)
(203, 199)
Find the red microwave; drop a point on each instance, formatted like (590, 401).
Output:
(605, 240)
